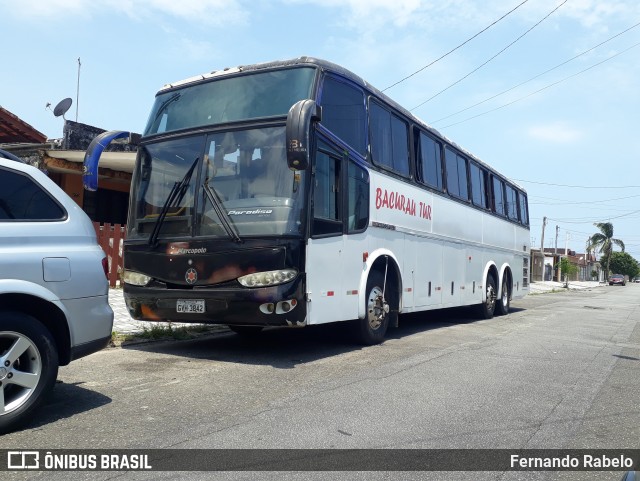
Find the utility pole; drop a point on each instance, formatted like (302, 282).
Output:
(555, 250)
(544, 224)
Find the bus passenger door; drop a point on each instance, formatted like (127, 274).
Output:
(325, 249)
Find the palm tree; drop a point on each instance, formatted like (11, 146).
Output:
(603, 242)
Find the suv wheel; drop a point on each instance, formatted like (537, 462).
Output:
(28, 367)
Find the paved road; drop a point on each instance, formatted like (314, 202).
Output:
(561, 371)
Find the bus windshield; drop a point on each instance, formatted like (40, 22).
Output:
(257, 95)
(241, 186)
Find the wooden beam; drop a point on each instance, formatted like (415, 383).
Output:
(76, 167)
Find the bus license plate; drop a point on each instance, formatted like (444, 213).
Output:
(194, 306)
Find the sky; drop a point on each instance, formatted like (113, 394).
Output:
(527, 92)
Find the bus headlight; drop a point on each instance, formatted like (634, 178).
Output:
(268, 278)
(135, 278)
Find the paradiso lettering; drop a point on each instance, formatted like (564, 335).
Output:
(397, 201)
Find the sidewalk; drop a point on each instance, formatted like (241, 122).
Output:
(548, 286)
(122, 321)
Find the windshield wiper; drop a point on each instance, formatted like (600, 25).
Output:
(177, 193)
(216, 202)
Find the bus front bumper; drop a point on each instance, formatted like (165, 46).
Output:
(282, 305)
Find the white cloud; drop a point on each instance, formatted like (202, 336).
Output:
(558, 132)
(215, 12)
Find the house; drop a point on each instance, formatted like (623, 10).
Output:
(62, 159)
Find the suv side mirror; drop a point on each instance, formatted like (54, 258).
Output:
(299, 119)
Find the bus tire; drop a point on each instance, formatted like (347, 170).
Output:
(488, 307)
(504, 303)
(28, 367)
(378, 313)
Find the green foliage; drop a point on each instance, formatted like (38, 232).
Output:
(567, 269)
(603, 242)
(623, 263)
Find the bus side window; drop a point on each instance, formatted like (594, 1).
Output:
(456, 174)
(357, 198)
(327, 215)
(389, 140)
(344, 113)
(498, 196)
(430, 162)
(512, 203)
(478, 185)
(522, 200)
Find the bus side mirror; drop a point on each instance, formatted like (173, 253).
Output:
(299, 121)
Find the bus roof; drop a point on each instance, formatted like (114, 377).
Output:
(334, 68)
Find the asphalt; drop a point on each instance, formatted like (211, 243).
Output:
(124, 324)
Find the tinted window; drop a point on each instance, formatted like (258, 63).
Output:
(478, 190)
(358, 198)
(430, 162)
(344, 114)
(389, 140)
(498, 196)
(229, 99)
(524, 215)
(512, 203)
(21, 198)
(326, 196)
(456, 174)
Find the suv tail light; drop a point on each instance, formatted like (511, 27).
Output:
(105, 267)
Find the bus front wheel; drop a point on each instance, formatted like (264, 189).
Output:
(378, 312)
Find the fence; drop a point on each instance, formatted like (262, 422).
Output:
(110, 238)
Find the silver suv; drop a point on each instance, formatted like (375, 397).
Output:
(53, 289)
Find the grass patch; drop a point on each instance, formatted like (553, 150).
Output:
(163, 331)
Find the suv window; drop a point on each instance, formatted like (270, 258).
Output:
(23, 199)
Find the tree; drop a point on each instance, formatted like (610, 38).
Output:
(567, 269)
(623, 263)
(603, 242)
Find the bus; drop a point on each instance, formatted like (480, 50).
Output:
(294, 193)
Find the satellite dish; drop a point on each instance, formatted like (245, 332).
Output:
(62, 107)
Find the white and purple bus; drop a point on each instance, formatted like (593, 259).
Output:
(294, 193)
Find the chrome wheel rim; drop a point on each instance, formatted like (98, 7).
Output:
(491, 298)
(377, 308)
(20, 370)
(505, 294)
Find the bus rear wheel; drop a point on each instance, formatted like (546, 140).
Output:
(505, 303)
(378, 313)
(488, 307)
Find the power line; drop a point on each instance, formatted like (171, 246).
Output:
(543, 88)
(566, 201)
(537, 76)
(456, 48)
(591, 218)
(581, 186)
(490, 59)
